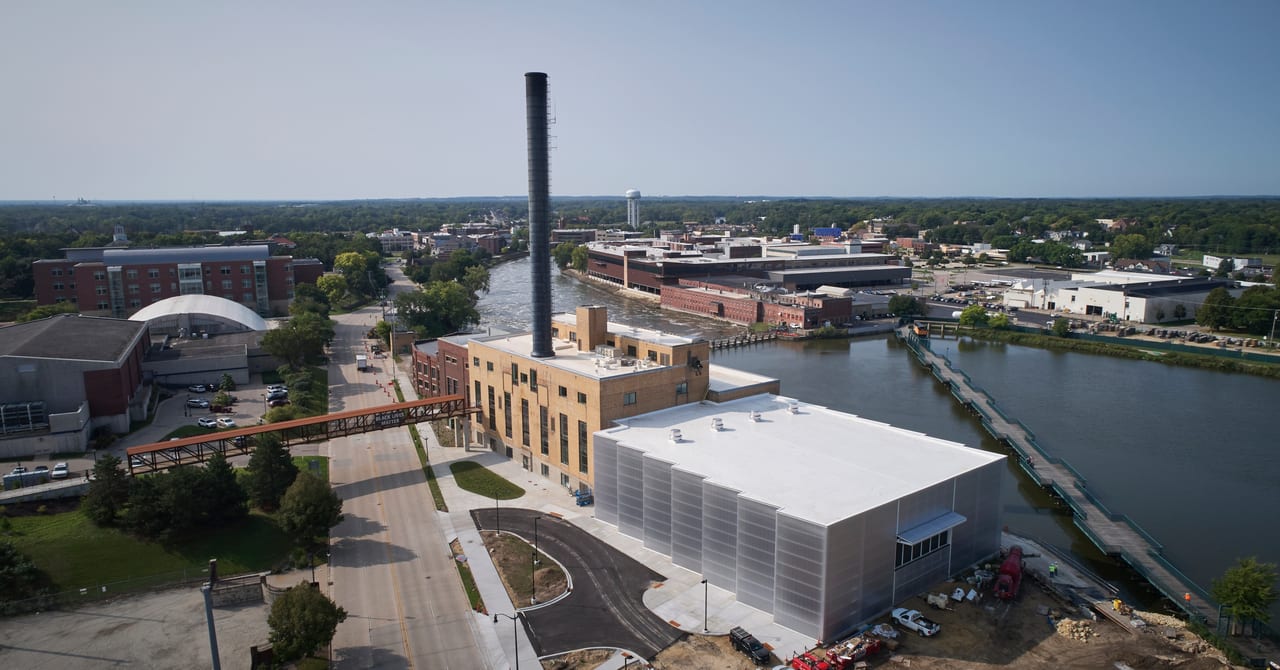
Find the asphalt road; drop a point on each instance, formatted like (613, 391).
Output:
(390, 567)
(605, 608)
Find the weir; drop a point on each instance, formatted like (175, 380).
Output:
(1114, 534)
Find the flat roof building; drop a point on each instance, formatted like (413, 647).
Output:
(821, 518)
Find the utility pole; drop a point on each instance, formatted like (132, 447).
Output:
(207, 590)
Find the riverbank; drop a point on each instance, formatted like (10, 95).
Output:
(1133, 347)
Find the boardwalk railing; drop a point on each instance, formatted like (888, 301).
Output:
(1115, 534)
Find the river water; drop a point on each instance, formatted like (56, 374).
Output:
(1189, 454)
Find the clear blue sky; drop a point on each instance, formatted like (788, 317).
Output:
(327, 100)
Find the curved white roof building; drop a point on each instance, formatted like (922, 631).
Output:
(187, 314)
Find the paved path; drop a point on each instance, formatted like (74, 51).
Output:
(1113, 533)
(390, 565)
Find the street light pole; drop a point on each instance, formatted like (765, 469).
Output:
(515, 634)
(704, 607)
(497, 517)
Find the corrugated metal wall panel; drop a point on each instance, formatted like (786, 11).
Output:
(800, 575)
(757, 546)
(657, 505)
(686, 520)
(630, 491)
(720, 535)
(606, 483)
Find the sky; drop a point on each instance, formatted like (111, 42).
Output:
(316, 100)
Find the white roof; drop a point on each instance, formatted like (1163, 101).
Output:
(207, 305)
(817, 464)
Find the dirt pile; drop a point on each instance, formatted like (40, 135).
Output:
(1074, 629)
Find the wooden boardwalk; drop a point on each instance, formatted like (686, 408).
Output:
(1114, 534)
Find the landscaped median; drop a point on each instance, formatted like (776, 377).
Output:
(476, 478)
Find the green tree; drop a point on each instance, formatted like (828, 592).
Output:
(302, 620)
(19, 576)
(905, 305)
(1224, 268)
(226, 383)
(300, 340)
(309, 509)
(270, 473)
(476, 279)
(108, 492)
(1180, 311)
(45, 311)
(439, 308)
(999, 322)
(974, 315)
(579, 259)
(226, 499)
(1249, 588)
(1131, 246)
(334, 287)
(563, 254)
(1061, 327)
(1215, 311)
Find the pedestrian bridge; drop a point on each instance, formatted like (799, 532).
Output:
(160, 456)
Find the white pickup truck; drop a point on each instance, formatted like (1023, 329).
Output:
(914, 620)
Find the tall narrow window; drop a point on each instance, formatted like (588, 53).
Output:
(506, 413)
(524, 422)
(544, 440)
(493, 411)
(582, 446)
(564, 439)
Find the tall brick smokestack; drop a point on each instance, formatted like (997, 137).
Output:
(535, 94)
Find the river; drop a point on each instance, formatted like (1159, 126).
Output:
(1188, 454)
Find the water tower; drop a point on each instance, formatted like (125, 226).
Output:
(633, 209)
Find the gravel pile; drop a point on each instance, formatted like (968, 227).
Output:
(1076, 630)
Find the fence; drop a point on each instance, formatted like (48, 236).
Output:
(105, 591)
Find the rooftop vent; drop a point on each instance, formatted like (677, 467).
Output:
(755, 416)
(794, 408)
(717, 424)
(674, 435)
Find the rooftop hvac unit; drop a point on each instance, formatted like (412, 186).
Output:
(717, 424)
(755, 416)
(794, 408)
(674, 435)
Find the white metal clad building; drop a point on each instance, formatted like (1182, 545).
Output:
(821, 518)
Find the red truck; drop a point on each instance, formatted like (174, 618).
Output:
(1010, 578)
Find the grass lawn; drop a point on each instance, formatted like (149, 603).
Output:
(77, 554)
(304, 464)
(478, 479)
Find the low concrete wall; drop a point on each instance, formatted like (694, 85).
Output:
(51, 491)
(240, 590)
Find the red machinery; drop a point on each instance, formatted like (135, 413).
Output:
(1010, 577)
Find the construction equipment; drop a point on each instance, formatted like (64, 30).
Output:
(1010, 577)
(845, 654)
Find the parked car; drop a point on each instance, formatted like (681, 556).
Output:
(226, 422)
(277, 388)
(17, 470)
(199, 403)
(273, 395)
(198, 388)
(277, 402)
(59, 471)
(137, 462)
(748, 644)
(914, 620)
(41, 469)
(207, 422)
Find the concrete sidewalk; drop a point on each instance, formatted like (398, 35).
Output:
(682, 599)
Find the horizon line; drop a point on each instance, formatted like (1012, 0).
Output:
(1206, 196)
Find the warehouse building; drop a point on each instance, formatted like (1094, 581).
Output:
(821, 518)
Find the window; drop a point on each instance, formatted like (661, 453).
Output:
(103, 305)
(246, 283)
(524, 422)
(173, 286)
(564, 480)
(664, 359)
(101, 290)
(564, 439)
(506, 414)
(910, 552)
(493, 422)
(515, 372)
(153, 273)
(546, 471)
(533, 379)
(225, 270)
(477, 384)
(488, 365)
(59, 299)
(524, 379)
(135, 302)
(582, 446)
(564, 392)
(57, 272)
(155, 287)
(475, 361)
(652, 356)
(131, 274)
(682, 388)
(246, 297)
(58, 286)
(629, 398)
(135, 289)
(99, 275)
(544, 440)
(244, 269)
(573, 336)
(582, 398)
(226, 284)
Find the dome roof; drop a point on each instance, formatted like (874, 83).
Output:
(205, 308)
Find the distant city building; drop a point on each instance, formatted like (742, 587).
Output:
(112, 281)
(1126, 296)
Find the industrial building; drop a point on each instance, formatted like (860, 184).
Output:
(1127, 296)
(118, 281)
(821, 518)
(65, 376)
(543, 410)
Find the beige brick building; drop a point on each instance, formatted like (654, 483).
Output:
(545, 411)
